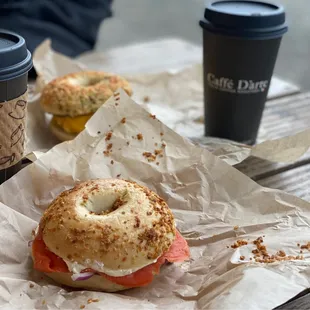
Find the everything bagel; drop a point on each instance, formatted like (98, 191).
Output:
(115, 229)
(74, 98)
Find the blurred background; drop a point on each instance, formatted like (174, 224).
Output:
(141, 20)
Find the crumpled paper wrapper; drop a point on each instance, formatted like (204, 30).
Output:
(174, 95)
(213, 203)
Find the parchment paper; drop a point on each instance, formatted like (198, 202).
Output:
(214, 205)
(174, 95)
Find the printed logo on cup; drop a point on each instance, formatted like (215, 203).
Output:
(240, 86)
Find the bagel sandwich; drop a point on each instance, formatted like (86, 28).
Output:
(107, 235)
(73, 99)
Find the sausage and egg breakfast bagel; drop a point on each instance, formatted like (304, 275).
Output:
(74, 98)
(107, 234)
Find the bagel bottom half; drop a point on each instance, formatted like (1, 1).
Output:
(60, 133)
(95, 283)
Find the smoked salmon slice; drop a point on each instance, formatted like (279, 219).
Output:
(46, 261)
(178, 252)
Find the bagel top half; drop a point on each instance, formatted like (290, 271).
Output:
(80, 93)
(110, 225)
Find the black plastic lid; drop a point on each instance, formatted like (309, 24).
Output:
(15, 59)
(245, 19)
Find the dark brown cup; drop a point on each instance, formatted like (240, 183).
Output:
(241, 40)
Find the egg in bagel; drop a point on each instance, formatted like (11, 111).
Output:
(107, 235)
(73, 99)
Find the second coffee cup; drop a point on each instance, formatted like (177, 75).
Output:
(241, 40)
(15, 62)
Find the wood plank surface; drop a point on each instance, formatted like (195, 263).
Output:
(282, 117)
(295, 181)
(300, 302)
(285, 116)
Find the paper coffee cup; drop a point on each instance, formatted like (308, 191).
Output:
(241, 40)
(15, 62)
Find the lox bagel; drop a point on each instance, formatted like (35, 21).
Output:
(72, 99)
(108, 235)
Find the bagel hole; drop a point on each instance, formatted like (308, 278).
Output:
(85, 81)
(104, 204)
(93, 81)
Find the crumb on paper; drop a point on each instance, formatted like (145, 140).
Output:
(242, 257)
(149, 156)
(298, 244)
(43, 302)
(236, 227)
(262, 255)
(163, 145)
(108, 136)
(123, 121)
(152, 116)
(90, 300)
(158, 152)
(127, 142)
(82, 306)
(156, 144)
(118, 175)
(146, 99)
(238, 244)
(258, 241)
(305, 246)
(112, 162)
(281, 253)
(98, 132)
(108, 150)
(157, 163)
(161, 133)
(31, 285)
(139, 136)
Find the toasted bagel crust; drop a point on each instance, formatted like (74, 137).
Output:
(109, 225)
(80, 93)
